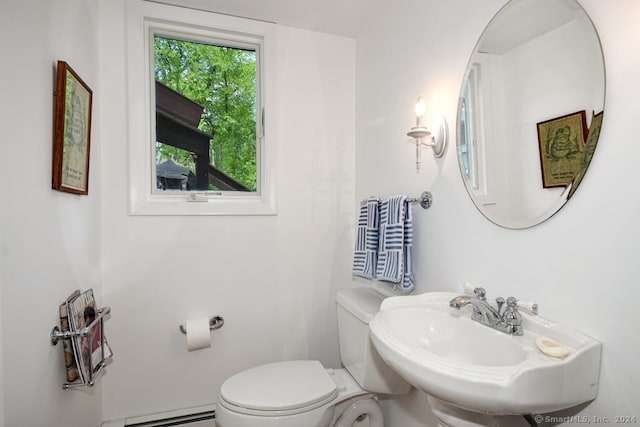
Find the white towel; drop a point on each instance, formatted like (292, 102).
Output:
(365, 256)
(394, 247)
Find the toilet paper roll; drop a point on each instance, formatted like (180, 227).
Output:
(198, 334)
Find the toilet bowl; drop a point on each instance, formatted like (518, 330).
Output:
(293, 393)
(303, 393)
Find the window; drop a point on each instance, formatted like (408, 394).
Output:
(467, 131)
(205, 105)
(473, 130)
(197, 113)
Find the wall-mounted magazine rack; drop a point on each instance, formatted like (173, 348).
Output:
(81, 337)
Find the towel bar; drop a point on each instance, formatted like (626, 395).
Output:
(425, 199)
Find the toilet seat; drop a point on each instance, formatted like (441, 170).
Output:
(279, 389)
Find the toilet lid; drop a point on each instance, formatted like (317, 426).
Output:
(280, 386)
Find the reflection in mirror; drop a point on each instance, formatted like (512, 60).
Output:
(537, 62)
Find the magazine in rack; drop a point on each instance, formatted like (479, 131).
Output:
(69, 353)
(92, 349)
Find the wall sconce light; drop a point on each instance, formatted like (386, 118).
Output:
(437, 136)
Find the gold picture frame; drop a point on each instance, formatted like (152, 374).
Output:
(72, 132)
(561, 143)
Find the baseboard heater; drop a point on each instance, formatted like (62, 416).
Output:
(185, 417)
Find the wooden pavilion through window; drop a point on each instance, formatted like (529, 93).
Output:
(177, 120)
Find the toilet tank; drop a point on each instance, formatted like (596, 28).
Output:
(355, 308)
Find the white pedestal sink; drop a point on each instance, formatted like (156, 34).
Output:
(444, 353)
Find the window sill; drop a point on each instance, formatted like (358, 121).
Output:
(180, 204)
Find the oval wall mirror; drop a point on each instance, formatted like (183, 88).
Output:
(530, 110)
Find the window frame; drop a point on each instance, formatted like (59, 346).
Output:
(478, 118)
(146, 19)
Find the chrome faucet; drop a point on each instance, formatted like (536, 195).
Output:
(508, 320)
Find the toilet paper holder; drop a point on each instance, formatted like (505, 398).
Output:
(216, 322)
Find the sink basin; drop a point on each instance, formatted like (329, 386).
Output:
(442, 352)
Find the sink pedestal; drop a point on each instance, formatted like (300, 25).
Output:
(452, 416)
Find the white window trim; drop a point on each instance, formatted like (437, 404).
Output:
(481, 119)
(142, 17)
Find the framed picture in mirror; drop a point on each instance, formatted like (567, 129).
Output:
(561, 142)
(72, 132)
(589, 149)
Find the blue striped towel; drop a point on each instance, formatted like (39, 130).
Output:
(396, 240)
(365, 256)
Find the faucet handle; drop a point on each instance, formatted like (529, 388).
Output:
(480, 293)
(528, 306)
(468, 288)
(512, 318)
(511, 314)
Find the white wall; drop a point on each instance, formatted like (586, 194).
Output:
(581, 265)
(272, 278)
(49, 240)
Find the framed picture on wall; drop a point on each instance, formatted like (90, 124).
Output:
(72, 132)
(561, 142)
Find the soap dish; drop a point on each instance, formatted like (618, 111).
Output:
(552, 348)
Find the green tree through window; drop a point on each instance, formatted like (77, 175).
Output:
(222, 79)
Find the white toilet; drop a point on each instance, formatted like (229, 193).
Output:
(302, 393)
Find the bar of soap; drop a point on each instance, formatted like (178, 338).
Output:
(551, 347)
